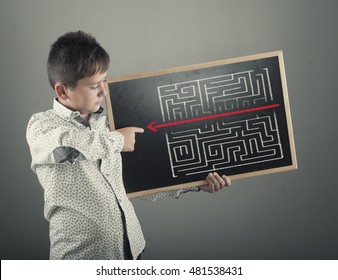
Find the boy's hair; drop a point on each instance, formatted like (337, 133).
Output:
(74, 56)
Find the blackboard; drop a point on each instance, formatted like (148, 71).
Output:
(230, 116)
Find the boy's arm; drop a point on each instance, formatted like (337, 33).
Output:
(215, 183)
(46, 140)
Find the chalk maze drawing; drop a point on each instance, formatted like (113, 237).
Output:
(231, 116)
(221, 142)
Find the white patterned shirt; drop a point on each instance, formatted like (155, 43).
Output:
(78, 164)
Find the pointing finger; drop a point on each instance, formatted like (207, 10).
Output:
(138, 130)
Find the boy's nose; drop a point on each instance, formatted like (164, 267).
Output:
(103, 90)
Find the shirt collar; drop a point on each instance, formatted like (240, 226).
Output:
(68, 114)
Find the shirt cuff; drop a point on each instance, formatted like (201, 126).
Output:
(118, 140)
(192, 189)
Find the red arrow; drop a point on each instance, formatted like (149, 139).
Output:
(154, 127)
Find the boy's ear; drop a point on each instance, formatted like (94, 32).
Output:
(61, 90)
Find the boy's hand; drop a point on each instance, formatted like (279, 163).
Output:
(216, 183)
(129, 134)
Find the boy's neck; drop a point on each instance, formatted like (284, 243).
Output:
(86, 117)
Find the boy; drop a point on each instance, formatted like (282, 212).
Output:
(78, 162)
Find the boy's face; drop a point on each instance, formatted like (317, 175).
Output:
(87, 96)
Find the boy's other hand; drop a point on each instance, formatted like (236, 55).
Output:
(129, 134)
(216, 182)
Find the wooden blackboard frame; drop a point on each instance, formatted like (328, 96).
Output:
(250, 58)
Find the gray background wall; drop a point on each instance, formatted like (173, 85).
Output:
(290, 215)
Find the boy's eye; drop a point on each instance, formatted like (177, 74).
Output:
(94, 87)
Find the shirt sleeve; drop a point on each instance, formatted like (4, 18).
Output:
(174, 194)
(46, 137)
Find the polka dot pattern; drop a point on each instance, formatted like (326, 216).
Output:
(85, 201)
